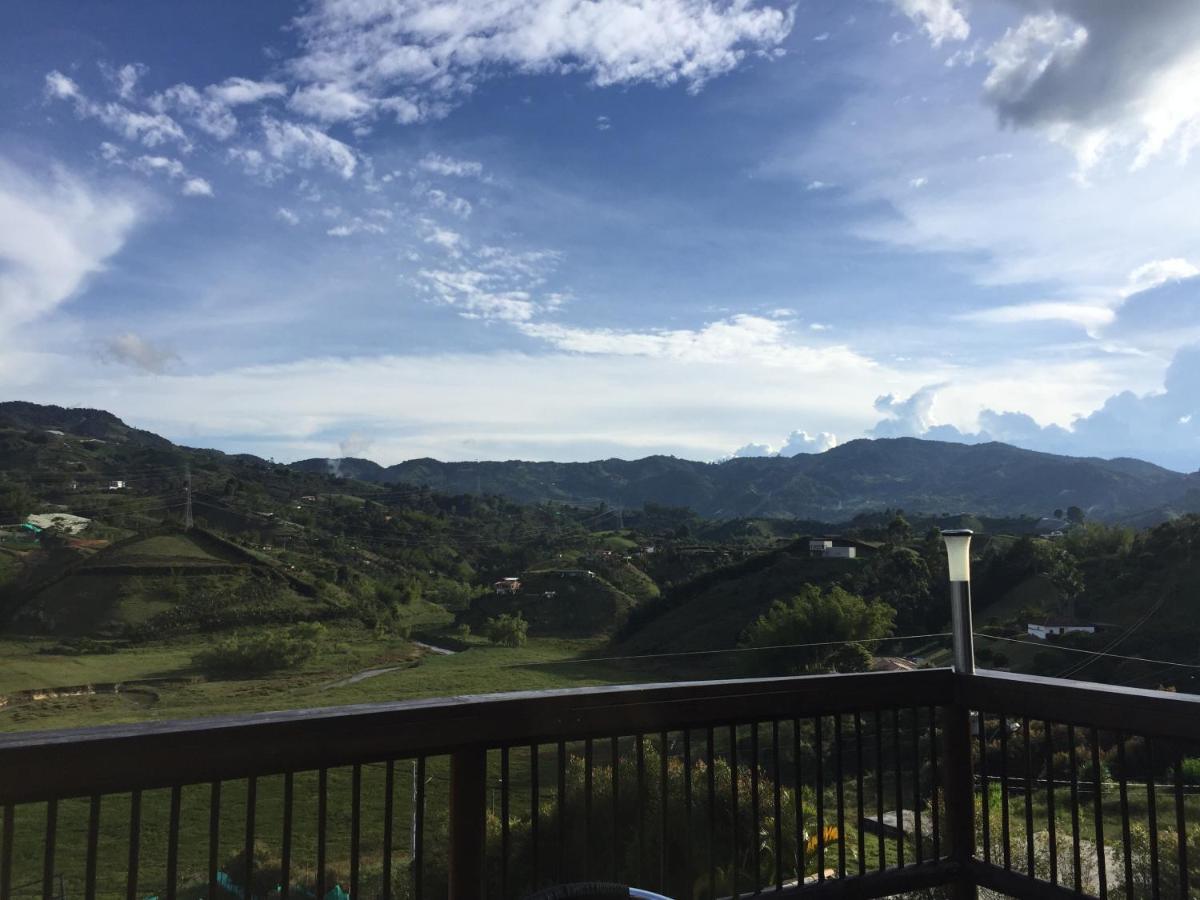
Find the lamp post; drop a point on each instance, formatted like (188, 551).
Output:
(958, 551)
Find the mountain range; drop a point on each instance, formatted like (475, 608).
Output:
(931, 477)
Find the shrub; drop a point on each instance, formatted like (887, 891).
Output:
(507, 630)
(264, 651)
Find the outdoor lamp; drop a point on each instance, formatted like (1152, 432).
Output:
(958, 552)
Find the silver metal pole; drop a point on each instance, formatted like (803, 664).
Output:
(961, 627)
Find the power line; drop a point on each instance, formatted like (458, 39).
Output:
(901, 637)
(1157, 662)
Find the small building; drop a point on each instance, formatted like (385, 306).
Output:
(1043, 630)
(116, 485)
(832, 548)
(507, 586)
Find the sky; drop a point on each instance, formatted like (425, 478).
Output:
(577, 229)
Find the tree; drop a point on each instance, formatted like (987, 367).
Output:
(1075, 515)
(900, 578)
(829, 620)
(898, 530)
(15, 502)
(507, 630)
(1058, 513)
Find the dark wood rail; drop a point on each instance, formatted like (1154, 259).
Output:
(838, 785)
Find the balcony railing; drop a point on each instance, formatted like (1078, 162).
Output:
(835, 786)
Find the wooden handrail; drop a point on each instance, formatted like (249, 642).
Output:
(109, 759)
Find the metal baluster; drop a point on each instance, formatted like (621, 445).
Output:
(534, 810)
(712, 814)
(1075, 848)
(819, 747)
(48, 850)
(214, 836)
(799, 801)
(935, 785)
(879, 786)
(251, 805)
(505, 788)
(1051, 819)
(778, 770)
(839, 774)
(561, 809)
(285, 869)
(1126, 837)
(640, 763)
(662, 863)
(93, 838)
(733, 782)
(1029, 860)
(1005, 833)
(588, 763)
(419, 849)
(985, 799)
(755, 820)
(689, 874)
(173, 843)
(858, 794)
(1181, 824)
(6, 852)
(135, 844)
(389, 803)
(322, 816)
(616, 813)
(1098, 810)
(918, 841)
(1152, 820)
(355, 825)
(899, 788)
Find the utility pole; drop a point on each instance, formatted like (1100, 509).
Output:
(187, 494)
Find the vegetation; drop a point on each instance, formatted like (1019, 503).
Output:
(507, 631)
(263, 651)
(817, 630)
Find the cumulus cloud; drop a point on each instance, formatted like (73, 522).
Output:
(137, 352)
(803, 442)
(307, 147)
(941, 20)
(415, 58)
(1162, 426)
(911, 416)
(329, 103)
(55, 232)
(1102, 77)
(753, 451)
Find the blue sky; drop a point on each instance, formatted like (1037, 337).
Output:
(571, 229)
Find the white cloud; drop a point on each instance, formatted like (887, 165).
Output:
(1159, 272)
(603, 123)
(912, 416)
(457, 205)
(150, 129)
(329, 103)
(307, 146)
(803, 442)
(286, 215)
(197, 187)
(417, 57)
(919, 182)
(1102, 78)
(941, 20)
(55, 232)
(768, 341)
(448, 165)
(753, 451)
(1088, 316)
(137, 352)
(241, 91)
(206, 113)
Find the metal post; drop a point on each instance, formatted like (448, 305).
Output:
(961, 627)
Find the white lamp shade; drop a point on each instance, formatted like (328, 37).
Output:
(958, 551)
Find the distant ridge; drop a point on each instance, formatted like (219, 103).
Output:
(922, 476)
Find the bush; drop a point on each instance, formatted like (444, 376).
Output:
(265, 651)
(507, 630)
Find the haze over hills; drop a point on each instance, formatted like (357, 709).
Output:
(918, 475)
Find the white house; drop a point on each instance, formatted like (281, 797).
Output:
(819, 547)
(1043, 631)
(507, 586)
(828, 550)
(116, 485)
